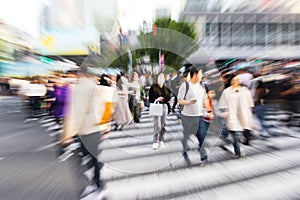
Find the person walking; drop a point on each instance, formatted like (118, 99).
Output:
(237, 103)
(122, 114)
(161, 94)
(192, 96)
(87, 98)
(135, 96)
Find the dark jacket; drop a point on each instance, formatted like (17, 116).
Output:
(155, 92)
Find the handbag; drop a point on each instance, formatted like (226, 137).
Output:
(108, 113)
(156, 109)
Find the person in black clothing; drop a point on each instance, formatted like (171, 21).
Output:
(174, 87)
(159, 93)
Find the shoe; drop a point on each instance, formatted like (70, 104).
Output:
(121, 128)
(116, 128)
(246, 143)
(89, 190)
(155, 145)
(187, 159)
(185, 156)
(238, 156)
(162, 144)
(204, 163)
(264, 134)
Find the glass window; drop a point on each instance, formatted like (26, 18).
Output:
(207, 30)
(237, 34)
(272, 34)
(214, 34)
(225, 34)
(284, 33)
(248, 34)
(260, 34)
(291, 33)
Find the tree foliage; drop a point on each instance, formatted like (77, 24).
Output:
(176, 40)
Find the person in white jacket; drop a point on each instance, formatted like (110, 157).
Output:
(237, 103)
(88, 109)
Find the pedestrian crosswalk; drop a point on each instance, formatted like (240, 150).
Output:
(133, 170)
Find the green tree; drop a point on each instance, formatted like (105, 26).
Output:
(176, 40)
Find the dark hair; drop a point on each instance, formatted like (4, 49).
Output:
(119, 82)
(103, 80)
(230, 79)
(190, 69)
(193, 71)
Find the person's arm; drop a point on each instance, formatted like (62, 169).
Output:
(222, 105)
(295, 89)
(181, 92)
(152, 95)
(208, 107)
(167, 96)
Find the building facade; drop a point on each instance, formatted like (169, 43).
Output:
(252, 29)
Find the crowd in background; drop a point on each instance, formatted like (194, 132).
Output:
(237, 95)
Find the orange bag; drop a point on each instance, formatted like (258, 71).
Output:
(108, 113)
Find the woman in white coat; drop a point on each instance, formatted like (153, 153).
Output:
(237, 103)
(122, 114)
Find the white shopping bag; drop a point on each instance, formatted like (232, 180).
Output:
(156, 109)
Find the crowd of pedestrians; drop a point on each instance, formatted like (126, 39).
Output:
(88, 106)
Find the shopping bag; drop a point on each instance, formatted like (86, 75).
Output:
(156, 109)
(108, 113)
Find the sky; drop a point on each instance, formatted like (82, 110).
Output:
(134, 12)
(24, 14)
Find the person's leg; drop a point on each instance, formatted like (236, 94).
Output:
(236, 144)
(156, 129)
(224, 131)
(90, 144)
(190, 126)
(136, 114)
(259, 111)
(247, 136)
(186, 133)
(97, 167)
(175, 103)
(201, 134)
(163, 122)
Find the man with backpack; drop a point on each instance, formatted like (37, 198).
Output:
(192, 96)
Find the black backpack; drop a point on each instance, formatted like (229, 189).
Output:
(187, 87)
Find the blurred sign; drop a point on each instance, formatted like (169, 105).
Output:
(69, 42)
(68, 28)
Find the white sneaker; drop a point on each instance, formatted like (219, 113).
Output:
(162, 144)
(155, 145)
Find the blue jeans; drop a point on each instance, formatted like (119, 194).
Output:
(201, 134)
(235, 139)
(197, 126)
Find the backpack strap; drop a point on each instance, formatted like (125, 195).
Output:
(187, 87)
